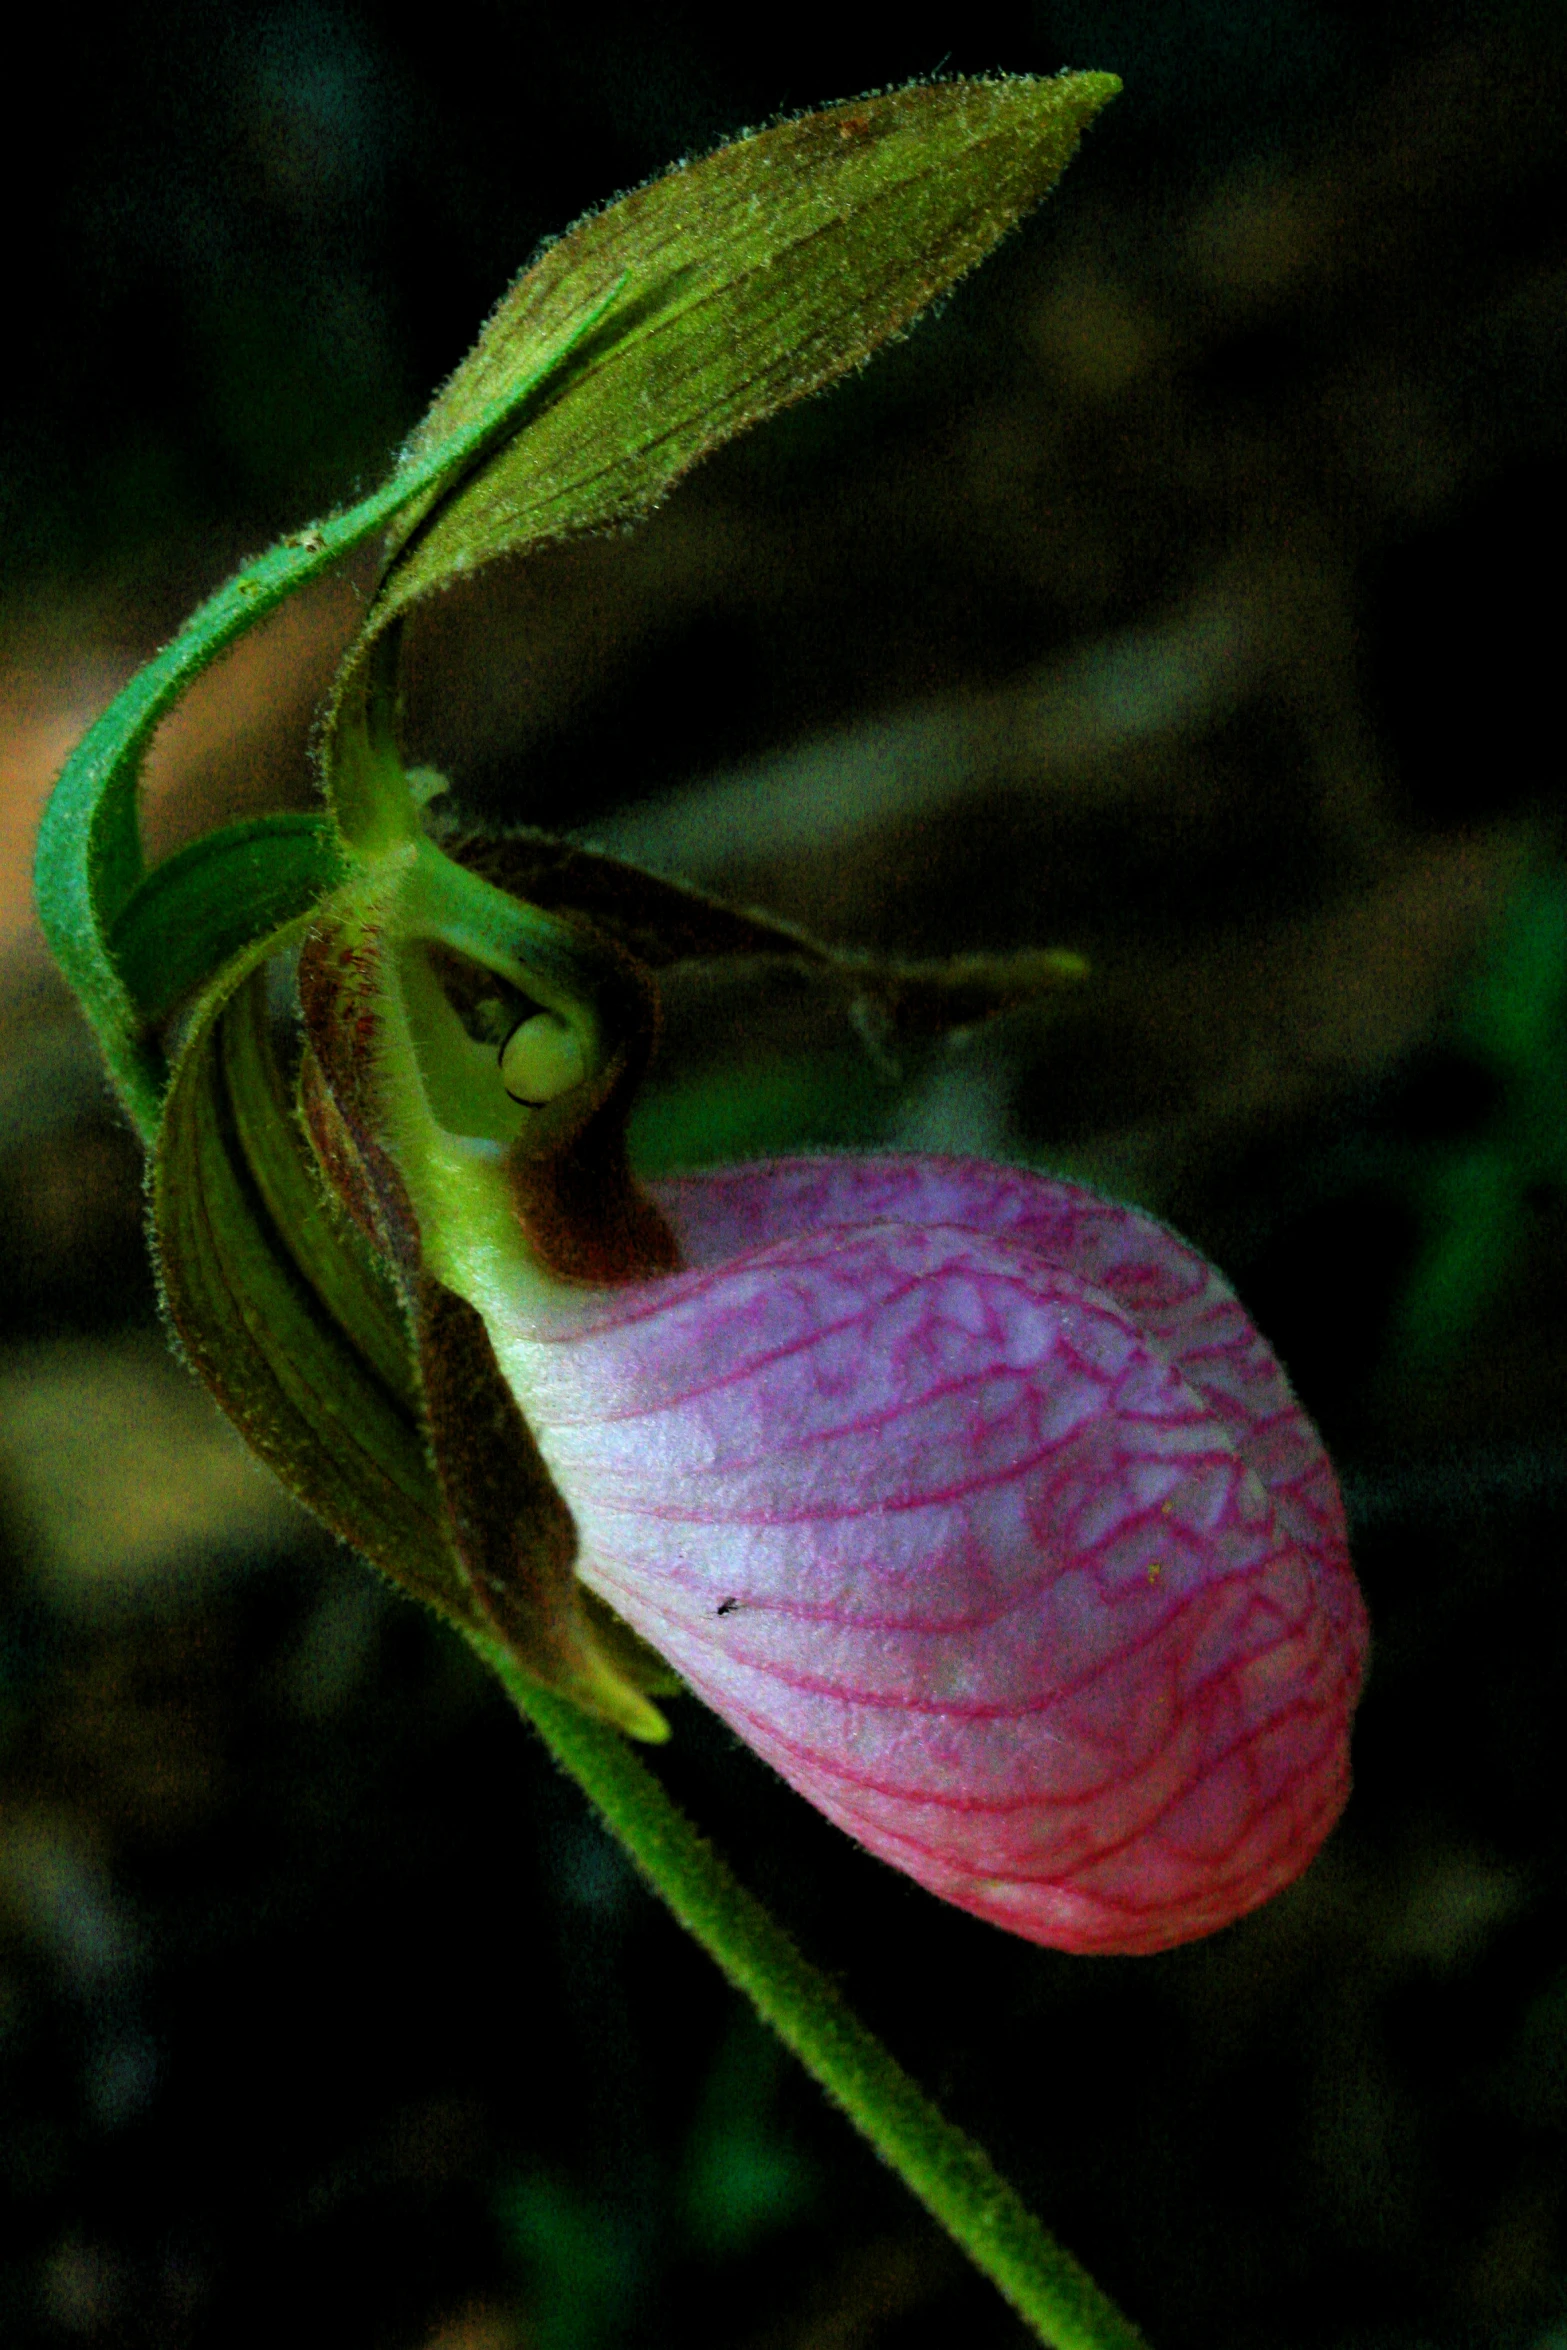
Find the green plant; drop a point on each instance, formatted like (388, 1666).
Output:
(351, 1217)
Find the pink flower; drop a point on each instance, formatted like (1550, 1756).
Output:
(976, 1505)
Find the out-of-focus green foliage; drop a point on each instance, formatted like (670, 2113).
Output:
(587, 2264)
(763, 1109)
(743, 2176)
(1480, 1199)
(578, 2260)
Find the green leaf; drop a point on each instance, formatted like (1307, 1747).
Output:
(754, 277)
(89, 864)
(200, 907)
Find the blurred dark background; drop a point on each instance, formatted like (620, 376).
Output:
(1186, 593)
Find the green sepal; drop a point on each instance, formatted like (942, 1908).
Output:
(277, 1303)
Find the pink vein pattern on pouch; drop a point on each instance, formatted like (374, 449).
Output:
(975, 1504)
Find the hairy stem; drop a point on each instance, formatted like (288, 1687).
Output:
(954, 2179)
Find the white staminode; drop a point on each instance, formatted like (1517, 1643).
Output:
(542, 1059)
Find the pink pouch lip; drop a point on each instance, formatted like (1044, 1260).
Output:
(976, 1505)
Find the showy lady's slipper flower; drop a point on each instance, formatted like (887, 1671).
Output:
(971, 1501)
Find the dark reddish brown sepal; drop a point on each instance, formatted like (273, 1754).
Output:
(339, 982)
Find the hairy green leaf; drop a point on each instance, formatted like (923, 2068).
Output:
(751, 279)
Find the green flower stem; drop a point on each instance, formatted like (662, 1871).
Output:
(953, 2178)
